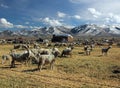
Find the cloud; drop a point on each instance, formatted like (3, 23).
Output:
(5, 24)
(113, 18)
(20, 26)
(4, 6)
(109, 18)
(26, 22)
(77, 17)
(105, 6)
(94, 12)
(51, 22)
(61, 15)
(99, 12)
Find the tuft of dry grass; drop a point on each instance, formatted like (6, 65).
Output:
(78, 71)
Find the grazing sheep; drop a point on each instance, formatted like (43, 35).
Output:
(45, 59)
(56, 50)
(36, 46)
(92, 46)
(17, 46)
(20, 46)
(87, 50)
(67, 51)
(20, 57)
(6, 57)
(35, 51)
(44, 51)
(105, 50)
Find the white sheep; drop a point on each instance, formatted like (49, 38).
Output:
(87, 50)
(67, 51)
(6, 57)
(21, 57)
(45, 59)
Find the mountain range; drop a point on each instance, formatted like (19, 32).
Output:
(82, 30)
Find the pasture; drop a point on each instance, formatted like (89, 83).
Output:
(78, 71)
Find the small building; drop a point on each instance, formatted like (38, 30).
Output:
(62, 38)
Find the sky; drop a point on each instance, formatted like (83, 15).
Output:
(33, 14)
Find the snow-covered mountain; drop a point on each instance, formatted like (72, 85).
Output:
(43, 31)
(96, 30)
(82, 30)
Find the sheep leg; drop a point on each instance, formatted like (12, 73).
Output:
(89, 52)
(52, 64)
(3, 61)
(86, 53)
(62, 54)
(40, 66)
(12, 64)
(27, 61)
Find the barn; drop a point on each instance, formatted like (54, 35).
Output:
(62, 38)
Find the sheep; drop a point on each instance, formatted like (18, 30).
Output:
(45, 59)
(36, 46)
(48, 51)
(105, 50)
(21, 57)
(17, 46)
(87, 50)
(92, 46)
(56, 50)
(67, 51)
(43, 51)
(6, 57)
(35, 51)
(20, 46)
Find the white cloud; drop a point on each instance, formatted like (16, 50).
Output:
(5, 24)
(26, 22)
(34, 27)
(113, 18)
(103, 17)
(20, 26)
(77, 17)
(107, 20)
(51, 22)
(99, 12)
(61, 14)
(94, 12)
(4, 6)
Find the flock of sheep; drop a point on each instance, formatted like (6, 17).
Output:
(42, 56)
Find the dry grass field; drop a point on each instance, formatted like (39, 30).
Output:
(78, 71)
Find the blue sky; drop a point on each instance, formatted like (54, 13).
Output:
(32, 14)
